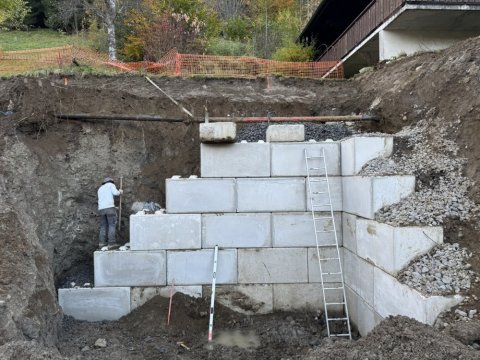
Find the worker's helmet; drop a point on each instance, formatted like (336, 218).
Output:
(107, 180)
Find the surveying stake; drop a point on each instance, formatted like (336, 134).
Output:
(212, 301)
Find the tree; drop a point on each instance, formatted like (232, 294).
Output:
(13, 13)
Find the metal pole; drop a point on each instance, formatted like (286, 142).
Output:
(120, 204)
(212, 300)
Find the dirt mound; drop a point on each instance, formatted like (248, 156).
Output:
(397, 338)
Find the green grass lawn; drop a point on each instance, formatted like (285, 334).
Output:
(37, 39)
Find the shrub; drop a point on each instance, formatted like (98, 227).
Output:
(224, 47)
(294, 52)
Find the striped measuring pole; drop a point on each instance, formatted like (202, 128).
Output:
(212, 301)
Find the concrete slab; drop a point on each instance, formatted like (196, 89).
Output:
(165, 231)
(140, 295)
(327, 266)
(435, 305)
(285, 133)
(336, 193)
(220, 132)
(196, 267)
(359, 275)
(392, 248)
(349, 232)
(352, 301)
(367, 318)
(200, 195)
(289, 159)
(288, 297)
(357, 151)
(95, 304)
(364, 196)
(296, 229)
(245, 299)
(129, 268)
(236, 230)
(271, 194)
(235, 160)
(270, 266)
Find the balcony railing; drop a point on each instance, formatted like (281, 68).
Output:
(377, 12)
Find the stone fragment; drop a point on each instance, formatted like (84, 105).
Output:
(101, 343)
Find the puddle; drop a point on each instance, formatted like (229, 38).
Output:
(242, 339)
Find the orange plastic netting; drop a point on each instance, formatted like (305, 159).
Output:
(172, 64)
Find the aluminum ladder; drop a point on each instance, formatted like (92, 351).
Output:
(329, 262)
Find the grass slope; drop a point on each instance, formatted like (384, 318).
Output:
(37, 39)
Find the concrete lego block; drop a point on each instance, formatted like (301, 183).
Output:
(361, 314)
(352, 304)
(271, 194)
(336, 194)
(364, 196)
(245, 299)
(236, 230)
(357, 151)
(140, 295)
(289, 159)
(349, 232)
(296, 229)
(359, 275)
(196, 267)
(270, 266)
(95, 304)
(129, 268)
(392, 248)
(435, 305)
(200, 195)
(288, 297)
(327, 266)
(165, 231)
(235, 160)
(285, 133)
(220, 132)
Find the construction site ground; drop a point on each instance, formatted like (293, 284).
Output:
(50, 170)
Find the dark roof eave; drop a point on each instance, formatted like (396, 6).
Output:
(310, 22)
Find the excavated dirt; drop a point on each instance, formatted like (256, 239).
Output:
(50, 170)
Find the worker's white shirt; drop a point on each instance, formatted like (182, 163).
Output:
(106, 192)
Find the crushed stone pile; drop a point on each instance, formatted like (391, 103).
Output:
(425, 150)
(318, 132)
(443, 271)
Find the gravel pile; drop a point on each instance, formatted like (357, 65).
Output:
(443, 271)
(442, 191)
(318, 132)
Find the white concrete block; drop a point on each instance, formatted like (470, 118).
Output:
(140, 295)
(288, 297)
(165, 231)
(364, 196)
(289, 159)
(435, 305)
(352, 303)
(245, 299)
(296, 229)
(392, 248)
(285, 133)
(200, 195)
(196, 267)
(361, 314)
(336, 193)
(270, 266)
(357, 151)
(236, 230)
(95, 304)
(327, 266)
(359, 275)
(219, 132)
(129, 268)
(271, 194)
(235, 160)
(349, 232)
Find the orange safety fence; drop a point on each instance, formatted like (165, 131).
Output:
(172, 64)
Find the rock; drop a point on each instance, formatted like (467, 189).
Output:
(472, 313)
(466, 332)
(101, 343)
(85, 348)
(461, 313)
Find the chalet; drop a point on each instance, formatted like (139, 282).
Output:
(364, 32)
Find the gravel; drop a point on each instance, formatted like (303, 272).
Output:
(443, 271)
(442, 190)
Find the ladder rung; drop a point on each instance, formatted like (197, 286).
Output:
(326, 259)
(340, 303)
(325, 231)
(315, 157)
(316, 168)
(318, 180)
(332, 273)
(323, 218)
(319, 192)
(335, 288)
(338, 319)
(339, 335)
(322, 205)
(327, 245)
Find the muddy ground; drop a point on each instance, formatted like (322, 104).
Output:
(50, 169)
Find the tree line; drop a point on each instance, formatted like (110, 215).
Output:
(147, 29)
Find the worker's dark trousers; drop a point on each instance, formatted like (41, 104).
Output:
(108, 225)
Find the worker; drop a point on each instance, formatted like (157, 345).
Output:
(108, 213)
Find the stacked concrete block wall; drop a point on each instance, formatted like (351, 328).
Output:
(252, 201)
